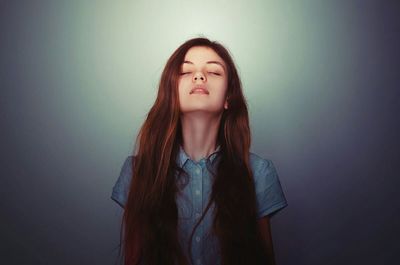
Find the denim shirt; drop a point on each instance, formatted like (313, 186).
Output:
(193, 199)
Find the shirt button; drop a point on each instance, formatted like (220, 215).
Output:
(197, 238)
(197, 192)
(197, 170)
(198, 215)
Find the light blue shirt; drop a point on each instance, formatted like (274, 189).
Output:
(194, 197)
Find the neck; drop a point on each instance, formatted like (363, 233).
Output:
(199, 132)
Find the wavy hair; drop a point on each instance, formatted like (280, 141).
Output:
(149, 229)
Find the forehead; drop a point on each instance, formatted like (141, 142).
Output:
(200, 55)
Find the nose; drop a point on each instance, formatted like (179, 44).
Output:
(198, 76)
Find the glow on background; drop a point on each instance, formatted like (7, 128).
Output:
(77, 79)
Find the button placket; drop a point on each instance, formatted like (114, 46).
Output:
(199, 186)
(198, 190)
(198, 197)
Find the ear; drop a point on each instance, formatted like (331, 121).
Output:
(226, 104)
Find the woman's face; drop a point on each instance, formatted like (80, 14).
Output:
(202, 67)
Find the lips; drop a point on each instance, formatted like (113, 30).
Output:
(199, 90)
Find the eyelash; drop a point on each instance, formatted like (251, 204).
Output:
(208, 72)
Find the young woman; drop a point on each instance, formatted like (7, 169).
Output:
(193, 193)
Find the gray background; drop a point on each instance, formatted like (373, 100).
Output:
(321, 79)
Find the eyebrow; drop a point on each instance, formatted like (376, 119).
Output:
(209, 62)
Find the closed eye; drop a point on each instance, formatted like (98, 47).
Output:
(208, 72)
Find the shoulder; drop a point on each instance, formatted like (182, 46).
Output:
(126, 169)
(259, 164)
(264, 171)
(128, 161)
(269, 193)
(121, 187)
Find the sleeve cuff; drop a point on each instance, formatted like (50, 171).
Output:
(271, 211)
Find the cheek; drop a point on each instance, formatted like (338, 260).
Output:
(184, 86)
(223, 89)
(182, 94)
(181, 87)
(221, 96)
(222, 84)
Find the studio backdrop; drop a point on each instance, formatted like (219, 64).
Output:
(78, 77)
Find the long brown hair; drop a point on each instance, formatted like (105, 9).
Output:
(149, 227)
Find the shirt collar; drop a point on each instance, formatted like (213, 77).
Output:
(183, 157)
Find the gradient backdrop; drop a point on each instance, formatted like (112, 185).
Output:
(78, 77)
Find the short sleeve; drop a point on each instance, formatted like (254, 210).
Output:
(121, 187)
(269, 193)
